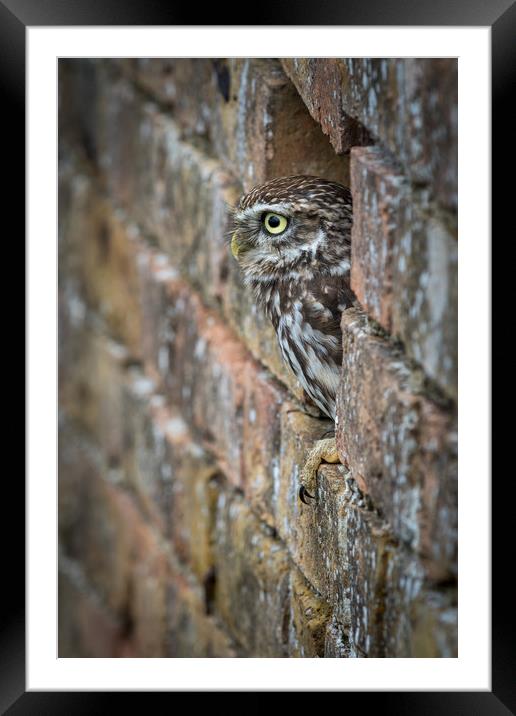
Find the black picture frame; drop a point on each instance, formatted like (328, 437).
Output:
(15, 17)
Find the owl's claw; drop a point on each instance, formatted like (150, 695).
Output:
(324, 450)
(303, 492)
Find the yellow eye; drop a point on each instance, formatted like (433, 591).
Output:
(275, 223)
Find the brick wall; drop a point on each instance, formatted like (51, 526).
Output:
(181, 433)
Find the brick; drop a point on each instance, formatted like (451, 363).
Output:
(85, 628)
(193, 501)
(312, 532)
(94, 529)
(147, 605)
(434, 626)
(274, 133)
(261, 434)
(379, 194)
(96, 258)
(169, 472)
(144, 461)
(425, 276)
(191, 631)
(420, 618)
(336, 642)
(409, 105)
(175, 193)
(395, 610)
(77, 101)
(364, 540)
(207, 373)
(194, 90)
(79, 464)
(400, 443)
(404, 264)
(252, 579)
(309, 617)
(319, 82)
(91, 378)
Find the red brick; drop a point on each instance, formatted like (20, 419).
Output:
(399, 442)
(275, 135)
(404, 264)
(409, 105)
(319, 81)
(379, 194)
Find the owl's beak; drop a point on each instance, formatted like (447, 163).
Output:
(234, 245)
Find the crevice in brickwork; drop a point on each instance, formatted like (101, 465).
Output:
(223, 78)
(210, 586)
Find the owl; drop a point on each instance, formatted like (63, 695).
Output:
(291, 238)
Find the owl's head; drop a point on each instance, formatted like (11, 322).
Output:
(296, 223)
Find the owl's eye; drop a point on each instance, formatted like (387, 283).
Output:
(275, 223)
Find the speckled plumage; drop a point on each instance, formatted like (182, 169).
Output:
(301, 277)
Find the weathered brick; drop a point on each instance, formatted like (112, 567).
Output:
(175, 193)
(425, 276)
(212, 379)
(101, 537)
(192, 632)
(400, 444)
(79, 464)
(404, 263)
(367, 541)
(319, 81)
(96, 264)
(379, 193)
(91, 379)
(252, 579)
(395, 611)
(147, 604)
(85, 628)
(274, 133)
(144, 461)
(169, 472)
(410, 105)
(261, 434)
(312, 532)
(194, 90)
(434, 625)
(420, 618)
(77, 104)
(193, 500)
(309, 618)
(336, 643)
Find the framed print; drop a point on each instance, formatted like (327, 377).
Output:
(244, 263)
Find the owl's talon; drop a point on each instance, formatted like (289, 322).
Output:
(324, 450)
(303, 492)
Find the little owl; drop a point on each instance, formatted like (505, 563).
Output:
(292, 241)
